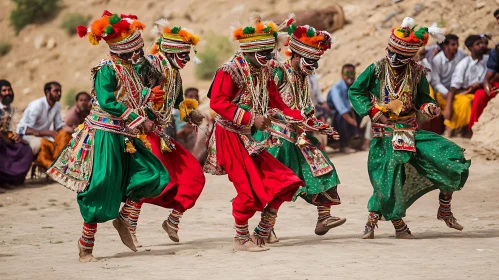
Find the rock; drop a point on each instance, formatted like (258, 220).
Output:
(480, 4)
(330, 18)
(26, 91)
(39, 41)
(51, 43)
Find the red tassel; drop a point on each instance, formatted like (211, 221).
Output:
(81, 30)
(130, 16)
(107, 13)
(290, 21)
(122, 25)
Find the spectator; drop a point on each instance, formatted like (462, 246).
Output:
(443, 65)
(485, 41)
(16, 156)
(199, 148)
(490, 84)
(346, 121)
(76, 115)
(41, 123)
(466, 79)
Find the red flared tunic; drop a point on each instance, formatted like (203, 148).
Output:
(260, 178)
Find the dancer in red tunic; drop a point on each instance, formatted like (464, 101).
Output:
(170, 53)
(241, 95)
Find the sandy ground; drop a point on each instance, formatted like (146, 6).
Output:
(41, 223)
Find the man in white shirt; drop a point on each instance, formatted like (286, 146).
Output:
(42, 117)
(466, 79)
(444, 64)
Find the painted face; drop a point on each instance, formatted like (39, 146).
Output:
(396, 60)
(133, 58)
(179, 60)
(263, 57)
(308, 65)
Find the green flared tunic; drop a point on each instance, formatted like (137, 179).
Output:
(115, 175)
(318, 189)
(400, 177)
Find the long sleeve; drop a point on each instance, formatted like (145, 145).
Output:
(31, 114)
(222, 90)
(275, 101)
(423, 93)
(358, 93)
(435, 77)
(105, 85)
(58, 123)
(458, 75)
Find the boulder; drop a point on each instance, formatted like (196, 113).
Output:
(330, 18)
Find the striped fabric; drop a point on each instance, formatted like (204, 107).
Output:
(130, 44)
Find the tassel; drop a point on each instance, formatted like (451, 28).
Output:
(129, 148)
(81, 30)
(164, 147)
(144, 140)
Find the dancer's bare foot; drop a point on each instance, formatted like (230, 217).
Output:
(124, 232)
(406, 234)
(135, 241)
(172, 232)
(450, 221)
(325, 225)
(85, 254)
(272, 237)
(247, 245)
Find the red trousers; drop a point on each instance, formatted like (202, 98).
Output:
(259, 180)
(480, 101)
(186, 177)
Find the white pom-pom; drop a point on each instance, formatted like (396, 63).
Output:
(196, 60)
(408, 22)
(162, 23)
(436, 33)
(155, 31)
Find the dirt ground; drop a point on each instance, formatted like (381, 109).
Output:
(41, 224)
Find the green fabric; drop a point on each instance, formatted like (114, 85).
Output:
(116, 174)
(279, 74)
(290, 155)
(180, 98)
(367, 83)
(399, 178)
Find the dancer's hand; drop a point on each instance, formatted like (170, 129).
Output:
(148, 125)
(196, 117)
(261, 122)
(383, 119)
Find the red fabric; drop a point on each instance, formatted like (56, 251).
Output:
(480, 101)
(224, 90)
(186, 177)
(372, 112)
(257, 179)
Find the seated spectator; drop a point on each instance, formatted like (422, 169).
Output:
(322, 111)
(467, 78)
(15, 154)
(490, 84)
(76, 115)
(443, 65)
(346, 121)
(41, 124)
(485, 41)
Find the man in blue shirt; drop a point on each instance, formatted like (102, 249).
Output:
(346, 121)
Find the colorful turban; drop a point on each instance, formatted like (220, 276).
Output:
(308, 42)
(407, 41)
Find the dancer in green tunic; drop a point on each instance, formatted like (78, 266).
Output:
(404, 162)
(105, 162)
(296, 147)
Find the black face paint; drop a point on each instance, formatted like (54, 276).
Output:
(308, 66)
(396, 60)
(263, 57)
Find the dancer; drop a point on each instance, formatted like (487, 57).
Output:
(298, 149)
(105, 162)
(241, 94)
(404, 162)
(169, 55)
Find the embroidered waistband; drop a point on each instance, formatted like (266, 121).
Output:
(283, 131)
(231, 126)
(107, 123)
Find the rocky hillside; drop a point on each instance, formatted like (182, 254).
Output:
(45, 52)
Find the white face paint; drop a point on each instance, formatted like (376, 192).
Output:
(136, 57)
(261, 59)
(307, 68)
(396, 60)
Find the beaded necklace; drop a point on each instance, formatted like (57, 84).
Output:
(171, 86)
(299, 84)
(132, 82)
